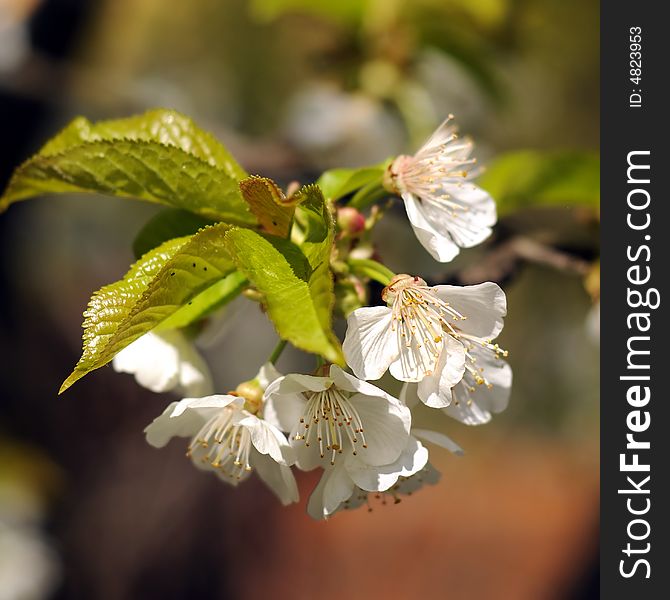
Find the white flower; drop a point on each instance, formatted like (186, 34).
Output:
(421, 336)
(231, 438)
(166, 361)
(347, 426)
(405, 486)
(340, 482)
(445, 209)
(338, 415)
(345, 487)
(484, 389)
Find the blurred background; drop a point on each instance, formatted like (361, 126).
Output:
(89, 510)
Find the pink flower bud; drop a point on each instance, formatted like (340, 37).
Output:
(350, 220)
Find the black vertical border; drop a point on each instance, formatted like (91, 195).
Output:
(625, 129)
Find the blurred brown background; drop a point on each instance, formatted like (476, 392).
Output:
(87, 508)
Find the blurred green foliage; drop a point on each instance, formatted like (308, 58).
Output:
(527, 179)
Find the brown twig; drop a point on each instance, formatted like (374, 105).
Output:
(503, 260)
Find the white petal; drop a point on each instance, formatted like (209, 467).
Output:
(166, 361)
(163, 428)
(284, 402)
(283, 410)
(334, 488)
(429, 475)
(315, 502)
(185, 418)
(386, 425)
(195, 378)
(349, 383)
(267, 374)
(436, 240)
(153, 361)
(467, 413)
(296, 384)
(483, 304)
(216, 401)
(404, 486)
(469, 222)
(442, 134)
(439, 439)
(370, 344)
(479, 203)
(499, 374)
(267, 439)
(278, 478)
(381, 478)
(409, 394)
(414, 362)
(435, 390)
(475, 408)
(307, 458)
(375, 479)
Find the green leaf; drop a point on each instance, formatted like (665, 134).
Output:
(297, 285)
(156, 287)
(348, 11)
(338, 183)
(111, 304)
(144, 170)
(529, 178)
(206, 302)
(272, 208)
(160, 125)
(159, 156)
(313, 215)
(165, 225)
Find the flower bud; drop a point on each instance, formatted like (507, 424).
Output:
(350, 220)
(252, 392)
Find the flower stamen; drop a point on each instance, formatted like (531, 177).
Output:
(334, 420)
(474, 376)
(420, 318)
(223, 445)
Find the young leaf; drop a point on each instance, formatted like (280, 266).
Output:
(317, 223)
(273, 210)
(297, 301)
(338, 183)
(156, 287)
(145, 170)
(166, 225)
(529, 178)
(111, 304)
(215, 296)
(167, 127)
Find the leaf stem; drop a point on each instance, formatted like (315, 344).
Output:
(367, 195)
(276, 353)
(372, 269)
